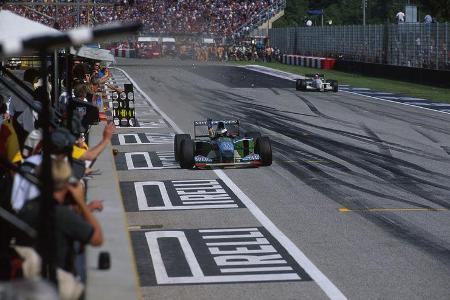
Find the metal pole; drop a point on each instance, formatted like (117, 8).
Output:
(78, 14)
(436, 46)
(95, 14)
(322, 17)
(56, 89)
(364, 3)
(46, 242)
(56, 12)
(429, 45)
(446, 44)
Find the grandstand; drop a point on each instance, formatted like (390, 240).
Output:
(216, 17)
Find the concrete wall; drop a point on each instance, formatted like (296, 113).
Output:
(121, 281)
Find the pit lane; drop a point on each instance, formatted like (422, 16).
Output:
(331, 151)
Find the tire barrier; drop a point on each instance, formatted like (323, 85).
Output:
(123, 107)
(128, 53)
(309, 61)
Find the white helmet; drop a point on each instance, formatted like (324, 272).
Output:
(221, 131)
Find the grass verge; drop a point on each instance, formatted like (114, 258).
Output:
(374, 83)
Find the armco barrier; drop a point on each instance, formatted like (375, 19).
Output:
(440, 78)
(309, 61)
(128, 53)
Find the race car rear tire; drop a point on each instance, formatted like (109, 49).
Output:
(264, 149)
(300, 85)
(177, 144)
(253, 134)
(187, 154)
(334, 85)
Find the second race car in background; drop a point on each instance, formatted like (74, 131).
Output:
(316, 82)
(222, 150)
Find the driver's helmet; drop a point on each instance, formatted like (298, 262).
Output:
(317, 76)
(221, 130)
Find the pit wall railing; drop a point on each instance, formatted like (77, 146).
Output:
(415, 45)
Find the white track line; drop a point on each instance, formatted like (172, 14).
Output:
(324, 283)
(276, 73)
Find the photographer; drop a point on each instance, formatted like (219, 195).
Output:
(73, 222)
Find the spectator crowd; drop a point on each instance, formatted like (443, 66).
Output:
(73, 221)
(221, 17)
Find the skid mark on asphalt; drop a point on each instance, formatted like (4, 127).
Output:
(409, 209)
(381, 114)
(409, 178)
(425, 134)
(311, 171)
(198, 272)
(264, 116)
(366, 92)
(446, 149)
(384, 149)
(314, 109)
(274, 91)
(244, 78)
(389, 221)
(256, 113)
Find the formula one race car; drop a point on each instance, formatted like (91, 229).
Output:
(316, 82)
(221, 147)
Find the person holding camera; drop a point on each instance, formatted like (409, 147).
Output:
(73, 223)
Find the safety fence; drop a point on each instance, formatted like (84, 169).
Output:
(412, 45)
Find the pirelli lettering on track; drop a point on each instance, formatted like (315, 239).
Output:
(213, 256)
(152, 124)
(146, 160)
(178, 195)
(142, 138)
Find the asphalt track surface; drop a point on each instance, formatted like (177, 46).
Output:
(359, 186)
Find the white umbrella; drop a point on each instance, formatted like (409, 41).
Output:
(19, 35)
(93, 53)
(14, 29)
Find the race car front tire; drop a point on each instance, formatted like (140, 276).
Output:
(187, 154)
(177, 144)
(300, 85)
(264, 149)
(334, 85)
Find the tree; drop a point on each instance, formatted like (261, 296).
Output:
(349, 12)
(438, 9)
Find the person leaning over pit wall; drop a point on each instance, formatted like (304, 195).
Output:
(93, 86)
(81, 151)
(102, 74)
(62, 142)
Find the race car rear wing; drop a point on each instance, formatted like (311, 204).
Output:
(215, 122)
(234, 123)
(312, 75)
